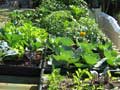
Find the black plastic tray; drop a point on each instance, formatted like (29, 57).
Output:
(19, 70)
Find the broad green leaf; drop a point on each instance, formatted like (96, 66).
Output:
(111, 60)
(67, 41)
(111, 55)
(78, 64)
(117, 60)
(64, 41)
(91, 58)
(66, 56)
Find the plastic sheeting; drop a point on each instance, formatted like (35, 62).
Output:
(109, 20)
(108, 24)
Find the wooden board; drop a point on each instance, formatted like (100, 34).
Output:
(23, 80)
(12, 86)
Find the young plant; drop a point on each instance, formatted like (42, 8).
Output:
(62, 47)
(54, 80)
(111, 57)
(81, 80)
(24, 36)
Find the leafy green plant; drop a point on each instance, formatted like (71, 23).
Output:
(93, 34)
(62, 18)
(64, 50)
(24, 36)
(52, 5)
(81, 82)
(80, 3)
(91, 58)
(117, 61)
(72, 33)
(60, 23)
(111, 56)
(88, 56)
(78, 12)
(54, 80)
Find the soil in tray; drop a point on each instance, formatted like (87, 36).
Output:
(13, 65)
(20, 68)
(69, 84)
(28, 59)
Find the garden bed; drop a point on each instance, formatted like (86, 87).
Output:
(20, 70)
(61, 37)
(24, 66)
(74, 81)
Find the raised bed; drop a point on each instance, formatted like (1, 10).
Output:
(20, 70)
(29, 71)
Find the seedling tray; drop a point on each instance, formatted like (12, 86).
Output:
(20, 70)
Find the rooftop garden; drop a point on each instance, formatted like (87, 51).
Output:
(61, 32)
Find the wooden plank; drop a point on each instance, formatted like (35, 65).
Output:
(11, 86)
(16, 79)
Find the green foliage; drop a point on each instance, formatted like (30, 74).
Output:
(70, 35)
(60, 23)
(64, 51)
(52, 5)
(66, 56)
(79, 3)
(78, 12)
(56, 5)
(67, 23)
(111, 56)
(117, 61)
(17, 18)
(81, 79)
(79, 74)
(26, 35)
(62, 47)
(88, 56)
(54, 80)
(93, 34)
(91, 58)
(78, 83)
